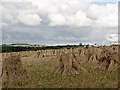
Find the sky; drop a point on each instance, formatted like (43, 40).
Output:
(59, 22)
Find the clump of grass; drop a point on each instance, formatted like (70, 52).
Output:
(67, 64)
(13, 70)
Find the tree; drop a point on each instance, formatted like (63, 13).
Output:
(80, 44)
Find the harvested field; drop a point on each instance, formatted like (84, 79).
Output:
(93, 67)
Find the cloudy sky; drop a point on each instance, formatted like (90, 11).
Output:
(56, 22)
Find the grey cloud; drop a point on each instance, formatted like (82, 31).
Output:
(20, 33)
(48, 35)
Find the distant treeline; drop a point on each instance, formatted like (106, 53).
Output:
(6, 48)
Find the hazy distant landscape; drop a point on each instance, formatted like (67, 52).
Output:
(35, 47)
